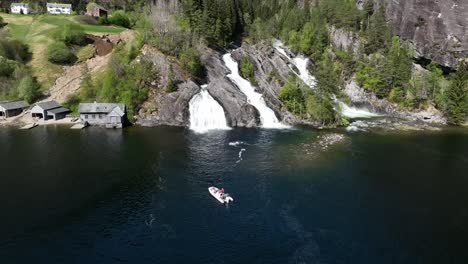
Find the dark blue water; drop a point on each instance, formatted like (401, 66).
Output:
(140, 196)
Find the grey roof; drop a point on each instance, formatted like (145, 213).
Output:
(98, 6)
(14, 105)
(100, 107)
(48, 105)
(59, 110)
(20, 4)
(58, 5)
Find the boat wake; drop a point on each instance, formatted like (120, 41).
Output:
(240, 155)
(237, 143)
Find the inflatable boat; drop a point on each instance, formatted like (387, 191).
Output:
(220, 195)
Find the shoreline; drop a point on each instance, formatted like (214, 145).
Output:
(358, 125)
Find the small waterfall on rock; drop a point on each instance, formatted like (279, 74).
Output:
(206, 113)
(267, 115)
(354, 112)
(301, 64)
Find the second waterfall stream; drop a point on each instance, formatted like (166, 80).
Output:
(267, 115)
(301, 64)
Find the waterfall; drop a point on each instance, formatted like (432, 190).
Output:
(267, 115)
(354, 112)
(301, 64)
(206, 113)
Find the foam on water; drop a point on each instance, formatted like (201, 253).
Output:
(236, 143)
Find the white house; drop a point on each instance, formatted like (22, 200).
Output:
(18, 8)
(59, 9)
(111, 115)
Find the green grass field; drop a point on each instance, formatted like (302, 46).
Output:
(34, 30)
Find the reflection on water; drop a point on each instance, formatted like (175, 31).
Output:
(140, 195)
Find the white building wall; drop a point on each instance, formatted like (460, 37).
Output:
(17, 10)
(58, 11)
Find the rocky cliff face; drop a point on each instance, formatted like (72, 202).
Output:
(172, 109)
(437, 28)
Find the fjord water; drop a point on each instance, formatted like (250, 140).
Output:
(140, 196)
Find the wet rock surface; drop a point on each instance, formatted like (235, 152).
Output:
(323, 142)
(389, 124)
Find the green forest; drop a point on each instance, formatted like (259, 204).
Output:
(383, 63)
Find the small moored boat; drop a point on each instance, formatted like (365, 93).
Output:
(220, 195)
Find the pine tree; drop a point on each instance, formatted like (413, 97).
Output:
(368, 11)
(378, 33)
(458, 96)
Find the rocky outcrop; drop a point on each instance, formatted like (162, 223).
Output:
(359, 96)
(239, 113)
(169, 109)
(344, 39)
(166, 108)
(438, 29)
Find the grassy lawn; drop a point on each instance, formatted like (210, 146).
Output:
(34, 30)
(101, 29)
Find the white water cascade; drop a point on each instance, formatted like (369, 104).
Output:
(301, 64)
(267, 116)
(354, 112)
(206, 113)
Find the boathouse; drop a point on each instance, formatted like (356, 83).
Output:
(9, 109)
(95, 10)
(111, 115)
(20, 8)
(59, 9)
(49, 110)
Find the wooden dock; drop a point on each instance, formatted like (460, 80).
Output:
(30, 126)
(78, 126)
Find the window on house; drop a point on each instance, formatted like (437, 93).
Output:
(86, 116)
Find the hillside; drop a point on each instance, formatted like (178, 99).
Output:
(35, 31)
